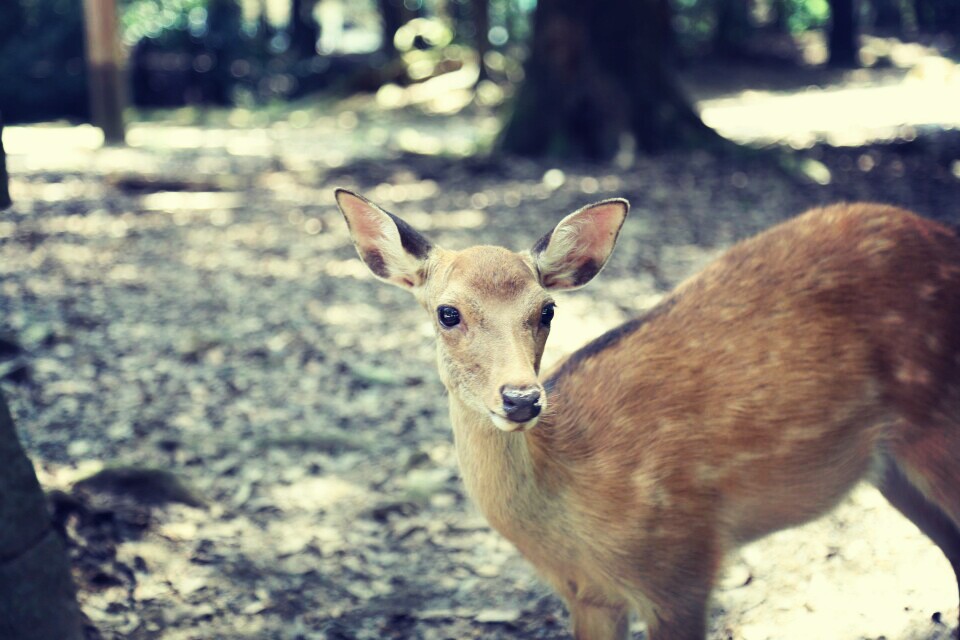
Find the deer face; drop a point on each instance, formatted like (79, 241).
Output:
(491, 308)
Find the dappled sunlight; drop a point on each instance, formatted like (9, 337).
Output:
(318, 494)
(861, 107)
(194, 201)
(447, 93)
(920, 89)
(847, 116)
(193, 302)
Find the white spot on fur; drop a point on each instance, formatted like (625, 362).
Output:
(912, 373)
(893, 318)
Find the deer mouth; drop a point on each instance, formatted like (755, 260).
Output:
(509, 425)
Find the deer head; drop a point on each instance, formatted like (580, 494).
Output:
(491, 307)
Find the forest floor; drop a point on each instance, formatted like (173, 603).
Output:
(192, 304)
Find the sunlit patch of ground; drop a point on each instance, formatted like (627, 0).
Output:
(914, 88)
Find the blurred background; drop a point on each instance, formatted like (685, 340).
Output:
(240, 434)
(273, 61)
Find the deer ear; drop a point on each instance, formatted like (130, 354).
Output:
(579, 246)
(390, 248)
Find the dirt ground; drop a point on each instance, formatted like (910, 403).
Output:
(192, 304)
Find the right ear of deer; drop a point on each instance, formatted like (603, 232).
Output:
(392, 249)
(575, 251)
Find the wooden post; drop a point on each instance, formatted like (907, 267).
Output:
(103, 68)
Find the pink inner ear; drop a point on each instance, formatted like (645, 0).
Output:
(365, 221)
(581, 245)
(599, 230)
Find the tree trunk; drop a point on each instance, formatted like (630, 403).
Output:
(781, 16)
(596, 73)
(888, 16)
(304, 30)
(938, 16)
(481, 24)
(103, 69)
(4, 180)
(843, 37)
(391, 17)
(39, 601)
(733, 27)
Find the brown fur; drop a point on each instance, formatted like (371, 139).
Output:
(754, 399)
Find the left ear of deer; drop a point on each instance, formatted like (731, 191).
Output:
(579, 246)
(390, 248)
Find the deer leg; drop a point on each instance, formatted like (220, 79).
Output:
(927, 515)
(687, 624)
(593, 621)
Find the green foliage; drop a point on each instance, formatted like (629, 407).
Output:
(153, 18)
(804, 15)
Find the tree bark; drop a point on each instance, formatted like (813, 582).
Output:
(103, 69)
(392, 18)
(733, 27)
(938, 16)
(781, 19)
(843, 37)
(304, 30)
(481, 23)
(39, 600)
(596, 73)
(888, 16)
(4, 179)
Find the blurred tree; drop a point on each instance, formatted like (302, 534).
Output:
(391, 19)
(938, 16)
(107, 94)
(225, 43)
(887, 16)
(733, 27)
(4, 181)
(781, 15)
(393, 15)
(39, 600)
(304, 29)
(843, 38)
(481, 23)
(596, 73)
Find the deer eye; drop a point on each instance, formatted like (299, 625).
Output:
(546, 315)
(448, 316)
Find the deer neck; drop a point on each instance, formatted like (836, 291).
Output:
(506, 475)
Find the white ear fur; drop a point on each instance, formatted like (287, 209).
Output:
(390, 248)
(580, 245)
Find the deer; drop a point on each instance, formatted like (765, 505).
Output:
(819, 353)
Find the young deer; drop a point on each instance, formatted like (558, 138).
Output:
(753, 398)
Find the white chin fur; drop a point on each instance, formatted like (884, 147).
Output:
(506, 425)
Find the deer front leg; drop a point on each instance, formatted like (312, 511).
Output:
(592, 621)
(684, 617)
(692, 626)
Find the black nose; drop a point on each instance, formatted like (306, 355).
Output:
(520, 404)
